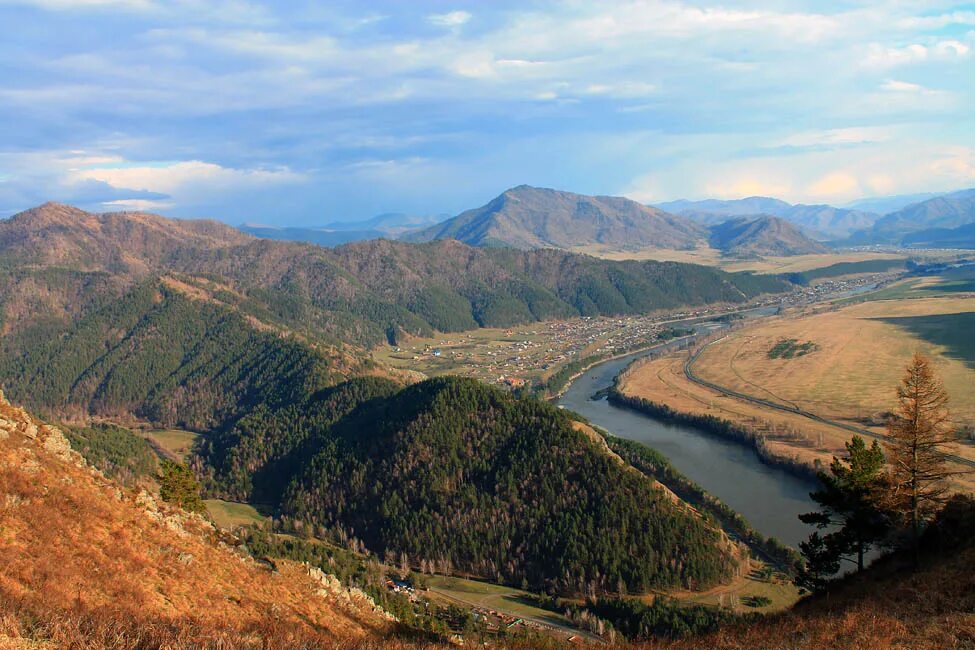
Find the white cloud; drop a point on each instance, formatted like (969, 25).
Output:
(138, 205)
(880, 56)
(450, 19)
(842, 136)
(901, 86)
(176, 177)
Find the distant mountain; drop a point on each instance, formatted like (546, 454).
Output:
(942, 212)
(960, 237)
(390, 223)
(733, 208)
(318, 236)
(764, 235)
(390, 226)
(888, 204)
(529, 217)
(819, 221)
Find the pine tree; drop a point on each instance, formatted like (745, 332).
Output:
(849, 499)
(177, 485)
(918, 432)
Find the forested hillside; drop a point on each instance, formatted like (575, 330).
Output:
(453, 473)
(59, 263)
(160, 355)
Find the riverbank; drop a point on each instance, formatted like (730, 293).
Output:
(717, 426)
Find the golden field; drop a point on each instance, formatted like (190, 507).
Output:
(860, 354)
(857, 356)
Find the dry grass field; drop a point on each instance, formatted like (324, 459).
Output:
(175, 443)
(712, 257)
(860, 352)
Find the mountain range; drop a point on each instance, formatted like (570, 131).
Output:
(526, 217)
(823, 222)
(138, 307)
(948, 211)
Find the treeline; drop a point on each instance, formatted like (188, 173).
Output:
(117, 452)
(846, 268)
(715, 425)
(458, 477)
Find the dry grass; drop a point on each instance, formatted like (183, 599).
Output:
(712, 257)
(858, 362)
(84, 564)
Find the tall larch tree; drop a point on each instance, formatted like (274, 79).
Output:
(918, 432)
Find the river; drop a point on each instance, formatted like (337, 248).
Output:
(769, 498)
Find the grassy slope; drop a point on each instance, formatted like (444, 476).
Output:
(86, 565)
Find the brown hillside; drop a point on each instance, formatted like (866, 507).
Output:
(55, 234)
(533, 217)
(86, 564)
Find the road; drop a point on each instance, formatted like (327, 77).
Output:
(689, 373)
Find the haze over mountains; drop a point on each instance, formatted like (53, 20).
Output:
(529, 217)
(526, 217)
(820, 221)
(389, 225)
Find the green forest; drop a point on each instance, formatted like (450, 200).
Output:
(456, 476)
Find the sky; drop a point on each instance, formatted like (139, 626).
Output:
(300, 113)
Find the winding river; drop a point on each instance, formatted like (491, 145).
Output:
(769, 498)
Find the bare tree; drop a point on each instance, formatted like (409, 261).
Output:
(918, 431)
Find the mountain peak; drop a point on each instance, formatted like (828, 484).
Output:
(533, 217)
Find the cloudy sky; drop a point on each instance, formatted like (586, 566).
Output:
(303, 112)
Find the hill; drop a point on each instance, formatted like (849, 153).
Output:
(89, 564)
(453, 473)
(57, 235)
(943, 212)
(763, 235)
(529, 217)
(960, 237)
(820, 221)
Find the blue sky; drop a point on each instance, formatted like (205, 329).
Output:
(301, 112)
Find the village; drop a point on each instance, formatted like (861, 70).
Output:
(523, 356)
